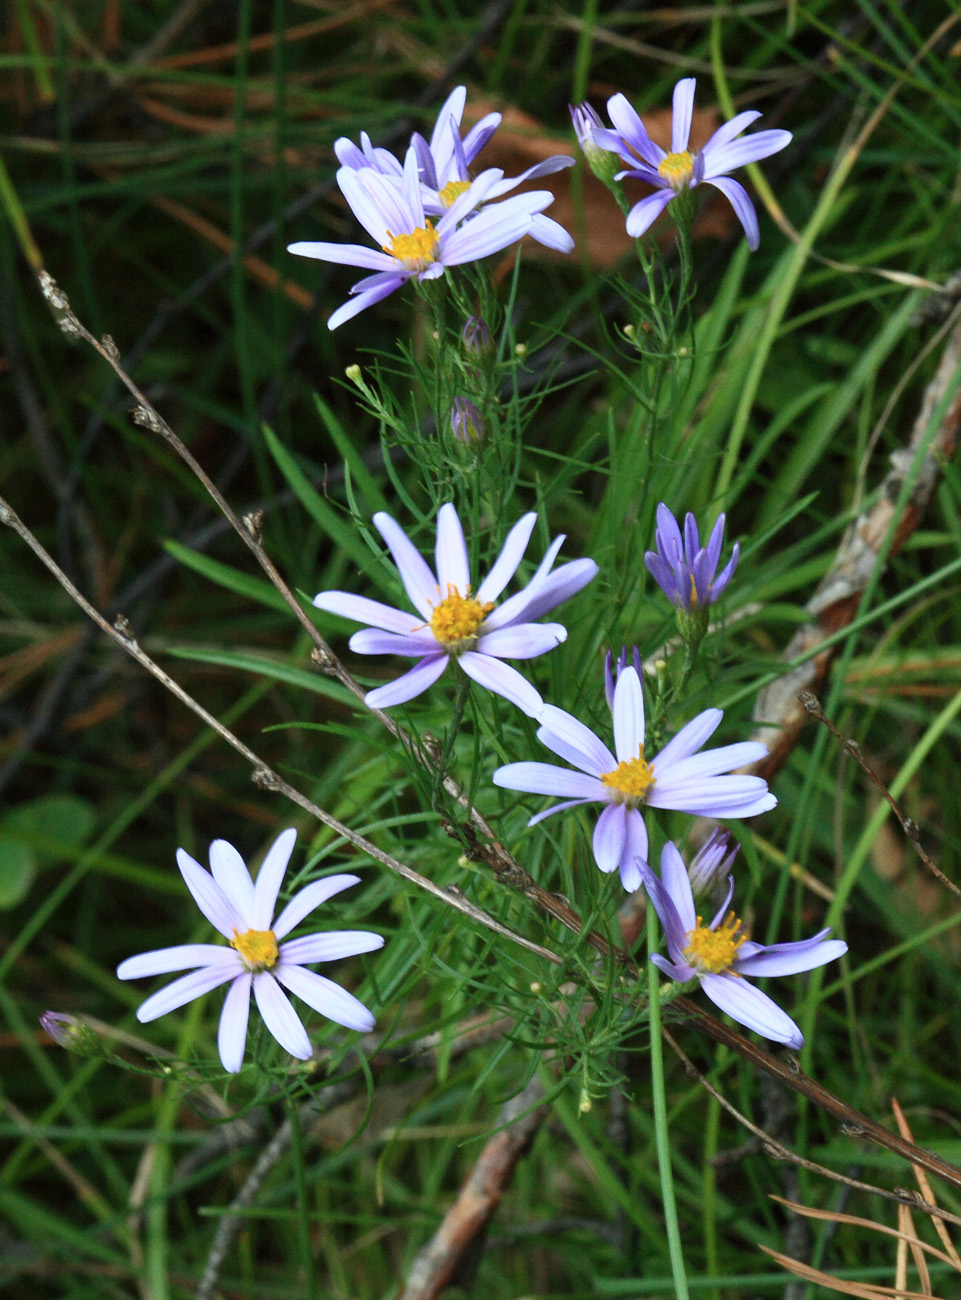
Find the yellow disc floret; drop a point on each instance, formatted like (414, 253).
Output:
(677, 169)
(631, 780)
(712, 951)
(416, 251)
(456, 621)
(257, 948)
(452, 192)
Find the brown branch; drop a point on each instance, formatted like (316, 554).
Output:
(438, 1263)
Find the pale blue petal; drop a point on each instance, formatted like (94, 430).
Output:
(354, 306)
(743, 208)
(718, 796)
(478, 136)
(184, 990)
(791, 958)
(345, 255)
(452, 108)
(556, 808)
(712, 762)
(681, 973)
(333, 946)
(729, 130)
(557, 587)
(610, 834)
(632, 129)
(683, 112)
(634, 853)
(209, 897)
(510, 557)
(628, 716)
(184, 956)
(544, 778)
(570, 739)
(327, 997)
(643, 215)
(371, 612)
(719, 160)
(232, 1031)
(370, 641)
(689, 739)
(419, 583)
(550, 233)
(550, 165)
(677, 883)
(674, 929)
(473, 241)
(280, 1017)
(522, 641)
(409, 686)
(478, 192)
(269, 879)
(752, 1008)
(453, 569)
(503, 680)
(308, 898)
(231, 874)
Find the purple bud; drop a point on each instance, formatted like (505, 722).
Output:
(709, 869)
(466, 422)
(71, 1032)
(476, 337)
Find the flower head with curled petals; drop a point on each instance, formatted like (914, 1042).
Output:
(683, 569)
(453, 621)
(671, 173)
(444, 164)
(626, 781)
(256, 959)
(720, 954)
(412, 246)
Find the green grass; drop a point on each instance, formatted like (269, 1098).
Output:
(134, 174)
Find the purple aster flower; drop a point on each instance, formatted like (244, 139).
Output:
(409, 245)
(682, 169)
(678, 777)
(683, 569)
(256, 959)
(453, 622)
(720, 954)
(444, 164)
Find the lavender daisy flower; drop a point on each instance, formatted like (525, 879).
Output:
(452, 622)
(409, 246)
(678, 777)
(444, 164)
(242, 910)
(673, 173)
(684, 570)
(719, 955)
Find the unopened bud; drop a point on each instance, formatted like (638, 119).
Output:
(603, 163)
(709, 869)
(476, 337)
(71, 1033)
(353, 374)
(585, 1104)
(466, 422)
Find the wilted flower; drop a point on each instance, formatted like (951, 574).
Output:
(242, 910)
(684, 570)
(409, 245)
(720, 954)
(683, 169)
(453, 622)
(678, 777)
(466, 421)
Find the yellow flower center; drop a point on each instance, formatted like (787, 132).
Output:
(712, 951)
(456, 621)
(257, 948)
(417, 250)
(677, 169)
(452, 192)
(630, 780)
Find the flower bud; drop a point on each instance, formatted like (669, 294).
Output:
(71, 1033)
(477, 338)
(603, 163)
(709, 869)
(466, 422)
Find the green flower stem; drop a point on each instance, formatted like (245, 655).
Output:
(303, 1203)
(660, 1115)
